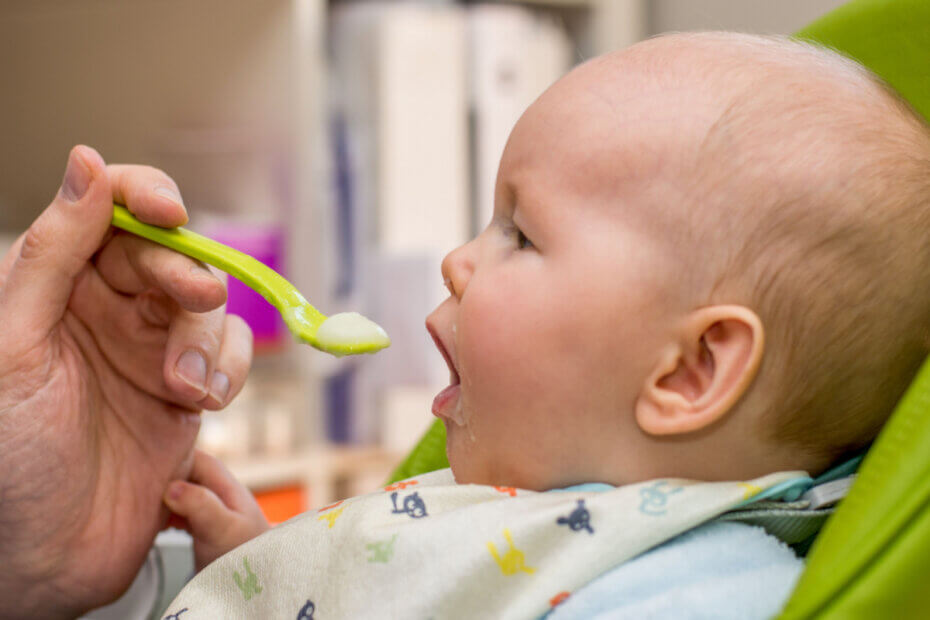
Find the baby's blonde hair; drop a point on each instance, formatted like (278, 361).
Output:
(823, 191)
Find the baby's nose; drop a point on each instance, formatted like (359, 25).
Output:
(457, 268)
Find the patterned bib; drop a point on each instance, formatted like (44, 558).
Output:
(429, 548)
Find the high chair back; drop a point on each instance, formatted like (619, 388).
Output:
(872, 558)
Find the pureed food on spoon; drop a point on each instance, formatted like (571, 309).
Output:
(346, 330)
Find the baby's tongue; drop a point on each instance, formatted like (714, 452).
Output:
(444, 408)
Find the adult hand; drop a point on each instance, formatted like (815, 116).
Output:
(109, 347)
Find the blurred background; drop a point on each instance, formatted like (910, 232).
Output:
(348, 144)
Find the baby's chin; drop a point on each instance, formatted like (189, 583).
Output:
(466, 457)
(470, 467)
(474, 461)
(466, 474)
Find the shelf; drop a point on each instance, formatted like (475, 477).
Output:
(325, 471)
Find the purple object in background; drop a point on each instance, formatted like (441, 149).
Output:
(265, 242)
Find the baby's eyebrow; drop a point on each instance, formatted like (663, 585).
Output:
(518, 193)
(510, 192)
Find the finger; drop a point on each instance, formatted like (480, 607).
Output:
(191, 352)
(131, 332)
(150, 194)
(131, 265)
(210, 472)
(58, 244)
(205, 513)
(145, 336)
(232, 365)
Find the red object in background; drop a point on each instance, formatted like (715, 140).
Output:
(281, 503)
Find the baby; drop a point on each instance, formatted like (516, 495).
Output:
(707, 260)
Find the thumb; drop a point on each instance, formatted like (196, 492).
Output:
(58, 244)
(204, 511)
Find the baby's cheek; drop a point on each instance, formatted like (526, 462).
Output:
(491, 344)
(486, 325)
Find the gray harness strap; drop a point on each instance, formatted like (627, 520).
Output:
(795, 523)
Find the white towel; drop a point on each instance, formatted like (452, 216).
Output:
(718, 571)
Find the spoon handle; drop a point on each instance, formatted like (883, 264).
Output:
(251, 272)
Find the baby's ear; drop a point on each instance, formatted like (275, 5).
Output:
(699, 377)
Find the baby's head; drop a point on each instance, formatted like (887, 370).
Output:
(708, 259)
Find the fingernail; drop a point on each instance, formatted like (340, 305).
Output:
(77, 179)
(175, 489)
(170, 193)
(192, 369)
(219, 387)
(200, 270)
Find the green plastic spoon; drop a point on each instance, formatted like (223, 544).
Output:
(346, 333)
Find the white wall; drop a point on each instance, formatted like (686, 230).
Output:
(758, 16)
(116, 74)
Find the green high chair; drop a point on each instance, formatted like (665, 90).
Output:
(872, 558)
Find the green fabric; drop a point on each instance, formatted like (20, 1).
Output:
(428, 455)
(890, 37)
(872, 558)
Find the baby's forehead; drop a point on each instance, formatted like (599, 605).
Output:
(650, 111)
(610, 126)
(679, 134)
(612, 130)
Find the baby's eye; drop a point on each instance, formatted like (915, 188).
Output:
(523, 242)
(513, 234)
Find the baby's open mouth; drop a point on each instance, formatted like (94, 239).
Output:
(447, 404)
(453, 373)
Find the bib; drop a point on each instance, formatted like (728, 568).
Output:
(427, 547)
